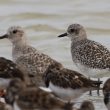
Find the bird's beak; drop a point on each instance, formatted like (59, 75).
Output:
(63, 35)
(4, 36)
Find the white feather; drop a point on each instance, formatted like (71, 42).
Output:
(67, 93)
(90, 72)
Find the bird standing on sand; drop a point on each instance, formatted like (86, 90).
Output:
(89, 56)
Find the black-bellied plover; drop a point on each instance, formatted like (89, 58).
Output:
(28, 59)
(68, 84)
(106, 92)
(90, 57)
(33, 98)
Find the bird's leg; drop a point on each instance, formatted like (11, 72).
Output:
(90, 92)
(98, 90)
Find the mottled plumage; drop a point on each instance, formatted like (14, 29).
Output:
(8, 71)
(33, 98)
(88, 55)
(68, 84)
(28, 59)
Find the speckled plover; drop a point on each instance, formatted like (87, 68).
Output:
(23, 98)
(68, 84)
(89, 56)
(28, 59)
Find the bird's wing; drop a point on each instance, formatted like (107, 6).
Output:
(34, 63)
(68, 79)
(27, 99)
(34, 98)
(9, 69)
(94, 55)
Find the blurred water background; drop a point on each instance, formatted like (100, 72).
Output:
(44, 20)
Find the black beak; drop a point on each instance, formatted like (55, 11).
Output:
(63, 35)
(4, 36)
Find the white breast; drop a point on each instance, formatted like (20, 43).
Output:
(90, 72)
(66, 93)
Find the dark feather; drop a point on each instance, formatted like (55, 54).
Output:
(8, 69)
(67, 78)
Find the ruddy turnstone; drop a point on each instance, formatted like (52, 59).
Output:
(68, 84)
(89, 56)
(28, 59)
(106, 92)
(22, 98)
(8, 71)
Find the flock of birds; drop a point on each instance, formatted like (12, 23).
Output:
(22, 79)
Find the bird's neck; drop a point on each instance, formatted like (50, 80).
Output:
(77, 42)
(19, 48)
(20, 44)
(78, 38)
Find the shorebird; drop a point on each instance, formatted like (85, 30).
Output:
(68, 84)
(106, 92)
(23, 98)
(9, 71)
(27, 58)
(89, 56)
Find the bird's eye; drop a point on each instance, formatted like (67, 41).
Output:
(72, 30)
(15, 31)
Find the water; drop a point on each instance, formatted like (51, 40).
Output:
(44, 20)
